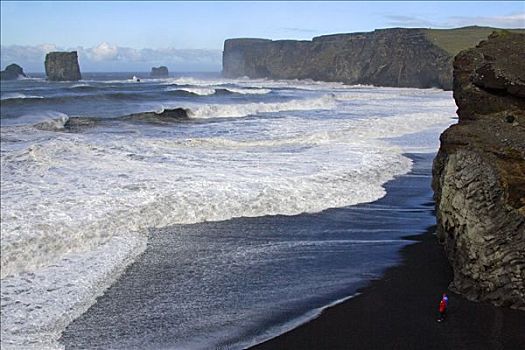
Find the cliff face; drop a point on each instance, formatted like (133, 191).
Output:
(62, 66)
(387, 57)
(479, 173)
(12, 72)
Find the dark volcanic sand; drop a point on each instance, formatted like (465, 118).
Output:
(396, 312)
(399, 311)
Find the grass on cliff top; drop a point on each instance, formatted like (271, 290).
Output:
(455, 40)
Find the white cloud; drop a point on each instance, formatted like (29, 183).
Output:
(103, 52)
(108, 57)
(408, 21)
(516, 20)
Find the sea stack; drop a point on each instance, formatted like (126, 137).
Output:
(62, 66)
(12, 72)
(479, 173)
(159, 72)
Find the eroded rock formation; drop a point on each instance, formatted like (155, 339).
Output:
(12, 72)
(479, 173)
(62, 66)
(159, 72)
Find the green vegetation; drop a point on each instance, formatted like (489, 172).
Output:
(455, 40)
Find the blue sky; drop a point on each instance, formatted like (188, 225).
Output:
(113, 35)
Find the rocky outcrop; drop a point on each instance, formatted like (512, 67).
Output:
(62, 66)
(479, 173)
(159, 72)
(12, 72)
(80, 124)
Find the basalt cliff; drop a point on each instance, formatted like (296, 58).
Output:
(479, 173)
(62, 66)
(420, 58)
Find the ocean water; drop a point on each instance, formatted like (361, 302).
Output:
(79, 205)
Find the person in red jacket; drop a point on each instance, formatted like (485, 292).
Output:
(443, 304)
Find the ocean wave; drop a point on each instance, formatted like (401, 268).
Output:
(215, 90)
(246, 109)
(45, 120)
(190, 81)
(20, 77)
(133, 79)
(130, 157)
(18, 96)
(248, 91)
(76, 207)
(121, 202)
(82, 87)
(17, 99)
(197, 91)
(53, 123)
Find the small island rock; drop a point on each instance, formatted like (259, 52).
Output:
(12, 72)
(159, 72)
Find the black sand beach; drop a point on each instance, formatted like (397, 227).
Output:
(397, 311)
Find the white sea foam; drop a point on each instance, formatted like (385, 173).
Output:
(191, 81)
(75, 207)
(27, 317)
(80, 85)
(205, 91)
(20, 77)
(251, 91)
(261, 83)
(195, 90)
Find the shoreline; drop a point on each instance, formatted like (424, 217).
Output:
(395, 308)
(399, 311)
(405, 210)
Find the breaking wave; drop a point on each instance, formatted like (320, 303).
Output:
(207, 91)
(76, 207)
(83, 87)
(18, 96)
(242, 110)
(46, 120)
(50, 100)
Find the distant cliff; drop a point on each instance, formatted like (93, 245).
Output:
(62, 66)
(400, 57)
(479, 173)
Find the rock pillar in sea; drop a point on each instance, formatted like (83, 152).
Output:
(62, 66)
(479, 173)
(12, 72)
(159, 72)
